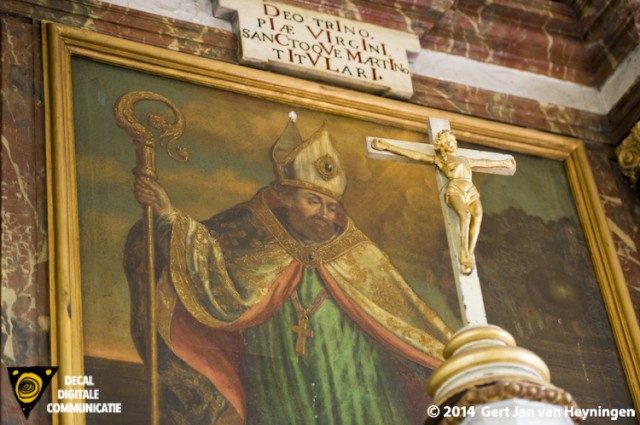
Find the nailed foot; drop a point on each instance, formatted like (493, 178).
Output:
(467, 262)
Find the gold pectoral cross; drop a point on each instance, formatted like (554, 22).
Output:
(303, 314)
(302, 331)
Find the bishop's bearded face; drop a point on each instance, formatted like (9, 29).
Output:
(312, 214)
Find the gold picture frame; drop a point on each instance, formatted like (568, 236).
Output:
(62, 44)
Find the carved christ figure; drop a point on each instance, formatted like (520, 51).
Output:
(461, 195)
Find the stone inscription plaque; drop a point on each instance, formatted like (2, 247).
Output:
(324, 47)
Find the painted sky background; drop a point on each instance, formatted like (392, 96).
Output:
(229, 137)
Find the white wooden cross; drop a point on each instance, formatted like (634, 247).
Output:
(468, 285)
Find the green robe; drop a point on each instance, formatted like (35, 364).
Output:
(224, 310)
(344, 377)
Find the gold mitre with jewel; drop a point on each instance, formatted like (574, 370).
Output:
(310, 164)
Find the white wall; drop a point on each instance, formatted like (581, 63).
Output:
(196, 11)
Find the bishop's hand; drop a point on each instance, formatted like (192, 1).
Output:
(149, 192)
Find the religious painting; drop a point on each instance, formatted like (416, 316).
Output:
(293, 278)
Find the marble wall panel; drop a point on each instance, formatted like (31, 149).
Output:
(542, 37)
(131, 25)
(625, 114)
(509, 109)
(479, 32)
(622, 209)
(25, 296)
(611, 32)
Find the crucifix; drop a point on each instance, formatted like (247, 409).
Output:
(459, 199)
